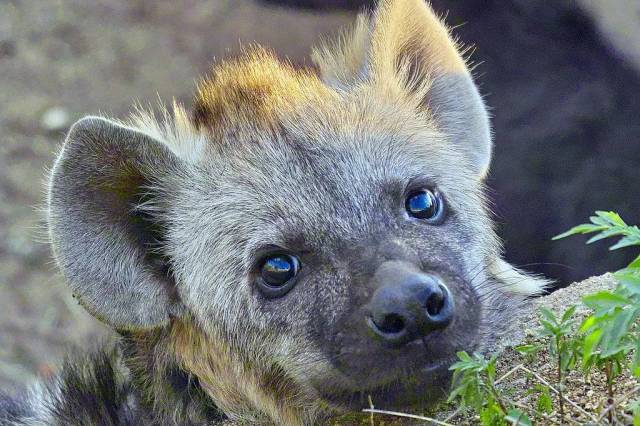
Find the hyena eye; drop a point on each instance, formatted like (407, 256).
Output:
(277, 273)
(426, 204)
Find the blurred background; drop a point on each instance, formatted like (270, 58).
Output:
(562, 79)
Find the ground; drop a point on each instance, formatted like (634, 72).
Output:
(586, 393)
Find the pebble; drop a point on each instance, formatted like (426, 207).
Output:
(55, 119)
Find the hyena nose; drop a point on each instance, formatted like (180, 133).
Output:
(410, 308)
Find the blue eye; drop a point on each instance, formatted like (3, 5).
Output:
(277, 273)
(425, 204)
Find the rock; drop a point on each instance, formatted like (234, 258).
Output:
(55, 119)
(561, 299)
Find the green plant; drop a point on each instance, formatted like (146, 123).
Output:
(474, 378)
(544, 403)
(529, 351)
(607, 340)
(562, 345)
(611, 332)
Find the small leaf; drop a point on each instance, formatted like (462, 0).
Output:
(568, 313)
(605, 299)
(611, 217)
(625, 242)
(635, 409)
(619, 326)
(635, 362)
(605, 234)
(548, 329)
(517, 417)
(580, 229)
(630, 279)
(588, 323)
(548, 314)
(488, 417)
(463, 356)
(544, 403)
(527, 349)
(591, 341)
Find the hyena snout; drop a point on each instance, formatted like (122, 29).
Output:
(407, 305)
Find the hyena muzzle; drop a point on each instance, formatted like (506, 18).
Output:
(294, 244)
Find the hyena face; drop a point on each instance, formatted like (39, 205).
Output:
(302, 241)
(350, 252)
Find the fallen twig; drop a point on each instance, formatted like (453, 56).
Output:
(453, 415)
(617, 401)
(405, 415)
(557, 392)
(508, 373)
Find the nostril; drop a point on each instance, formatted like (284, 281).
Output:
(391, 323)
(435, 302)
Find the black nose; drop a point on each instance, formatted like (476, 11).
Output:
(410, 307)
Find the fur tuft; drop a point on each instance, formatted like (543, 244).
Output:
(518, 281)
(173, 128)
(251, 92)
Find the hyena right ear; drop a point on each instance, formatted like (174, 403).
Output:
(404, 47)
(101, 241)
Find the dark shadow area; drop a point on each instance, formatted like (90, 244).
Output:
(567, 128)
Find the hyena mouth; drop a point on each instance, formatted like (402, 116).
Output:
(413, 376)
(402, 341)
(414, 388)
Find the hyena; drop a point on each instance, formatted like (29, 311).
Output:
(295, 243)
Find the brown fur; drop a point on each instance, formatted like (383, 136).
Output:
(381, 43)
(256, 90)
(253, 91)
(240, 384)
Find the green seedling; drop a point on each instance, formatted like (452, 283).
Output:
(562, 345)
(611, 332)
(474, 385)
(529, 352)
(607, 340)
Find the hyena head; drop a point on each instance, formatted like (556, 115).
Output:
(299, 242)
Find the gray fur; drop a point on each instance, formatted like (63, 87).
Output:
(95, 185)
(461, 113)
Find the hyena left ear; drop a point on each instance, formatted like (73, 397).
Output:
(403, 46)
(105, 244)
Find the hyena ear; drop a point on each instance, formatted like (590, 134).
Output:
(403, 46)
(101, 240)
